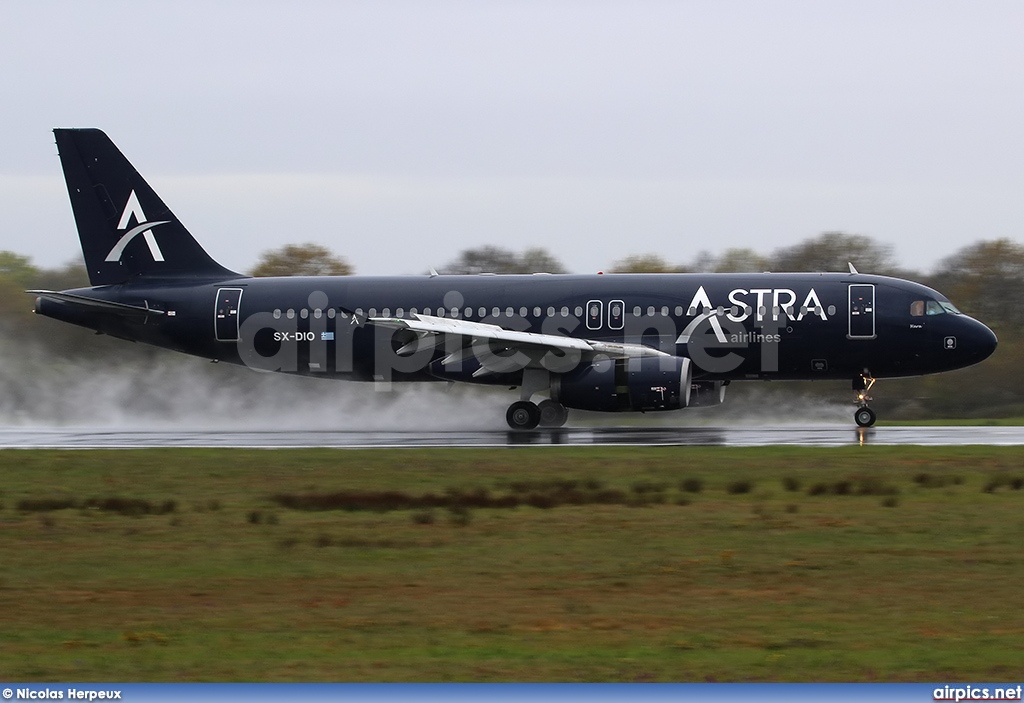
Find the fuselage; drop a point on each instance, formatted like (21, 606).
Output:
(732, 326)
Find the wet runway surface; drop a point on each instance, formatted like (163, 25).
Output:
(744, 436)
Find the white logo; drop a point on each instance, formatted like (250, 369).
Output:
(781, 300)
(132, 207)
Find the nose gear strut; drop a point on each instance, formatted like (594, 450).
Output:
(863, 415)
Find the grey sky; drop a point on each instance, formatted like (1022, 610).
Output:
(399, 133)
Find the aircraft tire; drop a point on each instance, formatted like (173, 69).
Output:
(523, 415)
(552, 414)
(865, 417)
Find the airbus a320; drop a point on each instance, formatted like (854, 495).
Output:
(611, 343)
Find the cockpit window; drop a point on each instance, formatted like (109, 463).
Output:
(919, 308)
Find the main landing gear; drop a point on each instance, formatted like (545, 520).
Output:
(863, 416)
(524, 415)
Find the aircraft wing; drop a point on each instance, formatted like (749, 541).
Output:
(118, 308)
(428, 325)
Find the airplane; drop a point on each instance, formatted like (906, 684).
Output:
(602, 342)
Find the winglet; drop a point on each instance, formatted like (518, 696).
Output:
(853, 269)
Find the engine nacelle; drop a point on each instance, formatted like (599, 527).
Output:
(640, 383)
(706, 393)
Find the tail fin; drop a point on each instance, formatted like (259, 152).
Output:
(126, 230)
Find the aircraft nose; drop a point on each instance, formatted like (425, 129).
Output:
(981, 341)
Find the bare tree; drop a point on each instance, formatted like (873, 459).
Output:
(986, 279)
(645, 263)
(833, 251)
(301, 260)
(490, 259)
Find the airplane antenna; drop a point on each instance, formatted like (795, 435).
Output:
(853, 269)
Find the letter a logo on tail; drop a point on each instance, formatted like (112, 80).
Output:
(132, 207)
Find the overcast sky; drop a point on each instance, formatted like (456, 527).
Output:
(400, 133)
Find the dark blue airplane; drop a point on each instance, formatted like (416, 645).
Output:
(618, 342)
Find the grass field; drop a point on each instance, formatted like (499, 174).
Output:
(522, 564)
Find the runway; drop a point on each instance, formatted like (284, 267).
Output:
(743, 436)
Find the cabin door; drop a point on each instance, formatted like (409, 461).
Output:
(225, 314)
(862, 311)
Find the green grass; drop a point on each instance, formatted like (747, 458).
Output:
(804, 564)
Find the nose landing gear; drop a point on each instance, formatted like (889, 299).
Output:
(863, 415)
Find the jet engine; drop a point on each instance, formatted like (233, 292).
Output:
(638, 383)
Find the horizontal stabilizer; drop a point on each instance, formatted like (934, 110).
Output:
(118, 308)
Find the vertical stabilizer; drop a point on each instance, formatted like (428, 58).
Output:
(126, 230)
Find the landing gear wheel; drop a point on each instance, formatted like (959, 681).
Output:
(864, 417)
(552, 414)
(523, 415)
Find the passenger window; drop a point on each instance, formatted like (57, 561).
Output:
(933, 308)
(917, 308)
